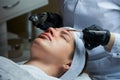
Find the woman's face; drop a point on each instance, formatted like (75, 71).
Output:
(56, 45)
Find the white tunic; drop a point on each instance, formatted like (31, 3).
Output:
(105, 13)
(83, 13)
(9, 70)
(37, 73)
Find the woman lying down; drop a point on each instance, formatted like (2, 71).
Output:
(56, 54)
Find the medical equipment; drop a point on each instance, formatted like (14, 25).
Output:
(90, 31)
(45, 20)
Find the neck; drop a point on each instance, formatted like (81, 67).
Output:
(49, 69)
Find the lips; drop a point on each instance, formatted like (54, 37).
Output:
(45, 36)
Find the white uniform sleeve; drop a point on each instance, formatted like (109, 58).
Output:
(116, 2)
(115, 52)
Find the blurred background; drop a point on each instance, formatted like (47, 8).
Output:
(18, 24)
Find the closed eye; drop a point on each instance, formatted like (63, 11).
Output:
(65, 35)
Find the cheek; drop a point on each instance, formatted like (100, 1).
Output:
(62, 49)
(41, 43)
(58, 46)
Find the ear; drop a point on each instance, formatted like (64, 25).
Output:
(67, 65)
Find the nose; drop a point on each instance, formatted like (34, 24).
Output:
(51, 31)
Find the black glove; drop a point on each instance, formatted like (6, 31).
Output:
(45, 20)
(94, 36)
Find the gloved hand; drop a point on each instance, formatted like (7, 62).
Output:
(94, 36)
(45, 20)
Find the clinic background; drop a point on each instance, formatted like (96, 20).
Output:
(18, 44)
(18, 24)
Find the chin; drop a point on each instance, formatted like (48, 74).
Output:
(41, 47)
